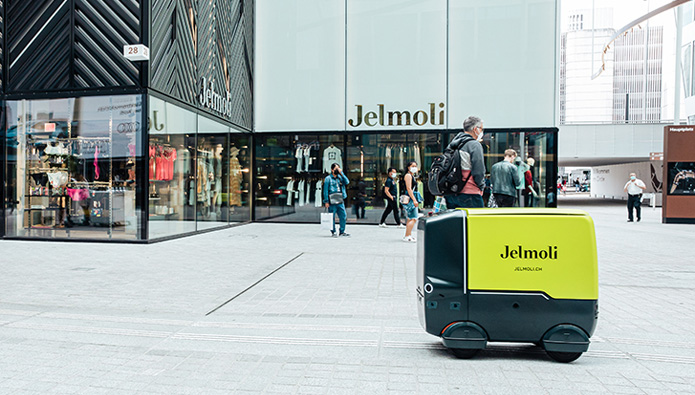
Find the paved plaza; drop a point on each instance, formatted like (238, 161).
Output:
(286, 309)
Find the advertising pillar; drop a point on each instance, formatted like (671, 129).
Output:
(679, 174)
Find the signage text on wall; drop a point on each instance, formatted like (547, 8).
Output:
(216, 102)
(434, 116)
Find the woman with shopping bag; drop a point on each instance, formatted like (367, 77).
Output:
(334, 195)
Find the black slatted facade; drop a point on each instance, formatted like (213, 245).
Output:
(59, 45)
(192, 40)
(52, 46)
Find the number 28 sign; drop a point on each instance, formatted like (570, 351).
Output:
(136, 52)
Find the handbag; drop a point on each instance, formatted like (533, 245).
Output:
(327, 221)
(404, 199)
(336, 198)
(492, 202)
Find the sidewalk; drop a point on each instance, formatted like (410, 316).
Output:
(335, 316)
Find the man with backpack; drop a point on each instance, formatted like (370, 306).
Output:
(468, 190)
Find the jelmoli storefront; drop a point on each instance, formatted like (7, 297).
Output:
(290, 167)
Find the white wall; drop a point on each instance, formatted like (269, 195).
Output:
(592, 144)
(300, 65)
(609, 181)
(396, 52)
(501, 62)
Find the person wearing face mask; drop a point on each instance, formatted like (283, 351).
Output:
(334, 195)
(472, 165)
(411, 199)
(390, 193)
(634, 189)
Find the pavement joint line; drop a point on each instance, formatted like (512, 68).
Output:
(109, 318)
(87, 329)
(338, 328)
(254, 284)
(639, 342)
(275, 340)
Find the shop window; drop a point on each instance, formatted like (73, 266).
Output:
(71, 167)
(172, 170)
(239, 178)
(289, 175)
(212, 174)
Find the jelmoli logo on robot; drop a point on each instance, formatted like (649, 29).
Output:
(521, 253)
(382, 117)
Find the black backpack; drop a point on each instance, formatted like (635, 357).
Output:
(445, 174)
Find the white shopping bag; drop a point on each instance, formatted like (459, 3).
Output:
(327, 221)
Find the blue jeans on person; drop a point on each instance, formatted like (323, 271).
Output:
(342, 216)
(464, 200)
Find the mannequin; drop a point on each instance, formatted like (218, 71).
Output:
(236, 177)
(217, 168)
(530, 193)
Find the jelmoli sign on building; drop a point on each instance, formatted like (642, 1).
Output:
(679, 174)
(431, 116)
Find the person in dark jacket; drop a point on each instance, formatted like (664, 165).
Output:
(361, 201)
(505, 180)
(390, 194)
(472, 165)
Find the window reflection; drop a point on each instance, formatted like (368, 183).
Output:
(172, 158)
(71, 165)
(290, 169)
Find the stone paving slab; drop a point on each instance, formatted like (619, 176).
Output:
(339, 318)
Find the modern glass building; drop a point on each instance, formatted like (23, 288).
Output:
(99, 147)
(242, 106)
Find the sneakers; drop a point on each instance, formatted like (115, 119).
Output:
(333, 234)
(383, 226)
(629, 220)
(400, 226)
(639, 219)
(344, 235)
(409, 239)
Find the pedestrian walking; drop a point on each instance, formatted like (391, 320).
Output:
(472, 165)
(334, 195)
(390, 193)
(411, 199)
(634, 189)
(361, 201)
(505, 180)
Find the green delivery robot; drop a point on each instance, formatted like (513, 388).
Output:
(509, 275)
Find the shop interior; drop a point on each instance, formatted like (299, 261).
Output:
(291, 168)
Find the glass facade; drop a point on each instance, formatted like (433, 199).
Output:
(71, 167)
(198, 172)
(290, 169)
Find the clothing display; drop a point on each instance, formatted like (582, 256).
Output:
(70, 182)
(387, 156)
(299, 154)
(332, 155)
(301, 192)
(236, 178)
(318, 196)
(302, 153)
(290, 192)
(162, 159)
